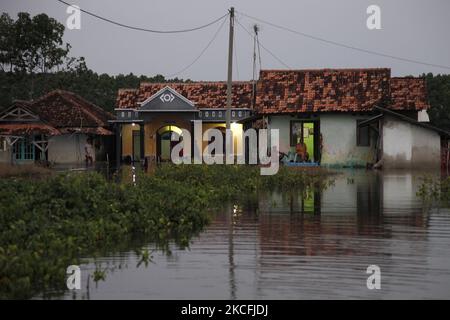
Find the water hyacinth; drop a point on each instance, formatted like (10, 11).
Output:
(49, 224)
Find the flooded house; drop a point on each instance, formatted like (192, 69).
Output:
(328, 117)
(55, 128)
(350, 117)
(147, 116)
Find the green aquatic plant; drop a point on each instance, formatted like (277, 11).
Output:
(433, 189)
(145, 256)
(48, 224)
(99, 274)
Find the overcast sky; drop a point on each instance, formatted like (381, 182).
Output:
(413, 29)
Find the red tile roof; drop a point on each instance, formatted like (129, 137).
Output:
(291, 91)
(27, 129)
(203, 94)
(61, 112)
(408, 93)
(66, 109)
(281, 91)
(127, 98)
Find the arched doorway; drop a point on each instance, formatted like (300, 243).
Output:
(164, 144)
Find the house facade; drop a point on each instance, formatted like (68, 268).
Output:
(341, 117)
(54, 128)
(146, 117)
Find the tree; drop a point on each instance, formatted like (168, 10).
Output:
(34, 60)
(31, 45)
(438, 88)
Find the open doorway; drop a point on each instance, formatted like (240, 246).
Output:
(164, 143)
(305, 140)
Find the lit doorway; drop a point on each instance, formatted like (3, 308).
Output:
(164, 143)
(305, 138)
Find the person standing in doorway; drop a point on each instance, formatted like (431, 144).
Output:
(89, 152)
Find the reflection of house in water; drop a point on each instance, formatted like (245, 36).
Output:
(357, 205)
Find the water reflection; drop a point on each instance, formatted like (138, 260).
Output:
(300, 246)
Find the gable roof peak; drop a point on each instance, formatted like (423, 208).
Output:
(173, 91)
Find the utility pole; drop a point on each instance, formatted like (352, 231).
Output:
(230, 68)
(255, 38)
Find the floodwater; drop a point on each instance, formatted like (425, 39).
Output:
(317, 246)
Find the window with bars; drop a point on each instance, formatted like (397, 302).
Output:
(24, 149)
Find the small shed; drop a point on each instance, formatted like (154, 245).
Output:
(405, 142)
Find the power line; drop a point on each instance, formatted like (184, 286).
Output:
(202, 52)
(344, 45)
(144, 29)
(262, 46)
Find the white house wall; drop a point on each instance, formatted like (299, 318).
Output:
(339, 139)
(282, 123)
(68, 148)
(5, 156)
(407, 145)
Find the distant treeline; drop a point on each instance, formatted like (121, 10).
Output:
(100, 89)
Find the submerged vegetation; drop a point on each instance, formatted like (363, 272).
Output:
(435, 190)
(48, 224)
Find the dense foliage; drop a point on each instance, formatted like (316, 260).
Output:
(49, 224)
(438, 87)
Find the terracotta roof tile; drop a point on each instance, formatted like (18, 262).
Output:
(291, 91)
(408, 93)
(203, 94)
(27, 129)
(286, 91)
(60, 112)
(126, 98)
(65, 109)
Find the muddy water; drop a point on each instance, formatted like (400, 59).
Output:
(299, 247)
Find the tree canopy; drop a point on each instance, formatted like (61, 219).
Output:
(438, 88)
(31, 44)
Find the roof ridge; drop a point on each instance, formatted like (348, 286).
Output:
(87, 112)
(324, 69)
(193, 83)
(100, 109)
